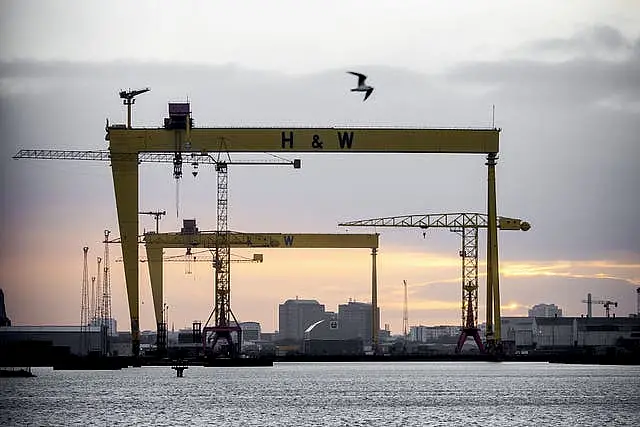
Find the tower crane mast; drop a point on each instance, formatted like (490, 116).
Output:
(106, 320)
(467, 225)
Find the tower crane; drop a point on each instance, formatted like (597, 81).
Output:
(467, 225)
(221, 260)
(606, 303)
(224, 321)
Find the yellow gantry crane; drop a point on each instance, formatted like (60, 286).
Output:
(467, 225)
(191, 237)
(129, 146)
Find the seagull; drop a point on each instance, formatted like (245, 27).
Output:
(361, 86)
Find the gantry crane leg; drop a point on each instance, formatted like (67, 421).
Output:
(493, 276)
(125, 182)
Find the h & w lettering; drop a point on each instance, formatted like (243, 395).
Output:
(345, 138)
(288, 139)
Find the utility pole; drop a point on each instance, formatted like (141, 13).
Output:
(156, 215)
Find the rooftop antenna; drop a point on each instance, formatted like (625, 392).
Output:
(128, 97)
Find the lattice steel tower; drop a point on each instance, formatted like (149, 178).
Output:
(469, 256)
(84, 305)
(97, 296)
(225, 322)
(106, 293)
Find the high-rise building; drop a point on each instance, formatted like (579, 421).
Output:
(296, 315)
(355, 320)
(250, 331)
(545, 310)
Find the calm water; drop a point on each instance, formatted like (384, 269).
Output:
(330, 394)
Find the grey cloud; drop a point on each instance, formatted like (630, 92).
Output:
(576, 156)
(582, 80)
(553, 171)
(598, 38)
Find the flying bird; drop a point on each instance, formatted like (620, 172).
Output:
(362, 87)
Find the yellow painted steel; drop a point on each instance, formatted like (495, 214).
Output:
(362, 140)
(493, 276)
(264, 240)
(375, 321)
(125, 182)
(156, 242)
(154, 258)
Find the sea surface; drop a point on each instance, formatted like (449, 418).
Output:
(329, 394)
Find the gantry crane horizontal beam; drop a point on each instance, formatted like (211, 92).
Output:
(294, 139)
(207, 239)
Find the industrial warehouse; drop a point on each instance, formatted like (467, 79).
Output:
(306, 329)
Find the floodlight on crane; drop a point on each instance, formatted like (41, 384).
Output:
(128, 99)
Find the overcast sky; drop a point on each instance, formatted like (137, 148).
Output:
(564, 79)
